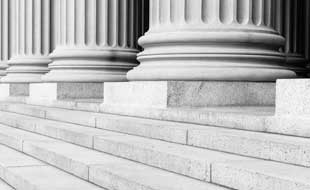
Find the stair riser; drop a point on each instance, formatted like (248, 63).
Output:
(257, 147)
(196, 168)
(242, 179)
(161, 132)
(71, 166)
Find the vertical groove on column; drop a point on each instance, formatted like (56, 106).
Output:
(1, 30)
(279, 16)
(4, 36)
(258, 12)
(243, 11)
(90, 17)
(71, 19)
(307, 29)
(123, 13)
(5, 30)
(46, 25)
(37, 16)
(103, 22)
(131, 19)
(228, 11)
(287, 30)
(268, 13)
(295, 27)
(113, 22)
(80, 23)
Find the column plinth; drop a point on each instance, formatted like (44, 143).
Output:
(96, 40)
(29, 61)
(211, 40)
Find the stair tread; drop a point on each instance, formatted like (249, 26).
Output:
(100, 166)
(24, 172)
(5, 186)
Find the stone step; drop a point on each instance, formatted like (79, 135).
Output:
(185, 160)
(287, 149)
(24, 172)
(261, 175)
(163, 130)
(102, 169)
(5, 186)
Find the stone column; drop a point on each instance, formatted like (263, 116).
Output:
(231, 40)
(292, 21)
(96, 40)
(4, 36)
(32, 41)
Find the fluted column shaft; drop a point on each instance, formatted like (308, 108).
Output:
(31, 20)
(4, 36)
(96, 40)
(293, 23)
(211, 40)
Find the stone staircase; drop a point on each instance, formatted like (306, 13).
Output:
(49, 148)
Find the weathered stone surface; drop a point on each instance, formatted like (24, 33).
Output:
(19, 89)
(126, 175)
(80, 91)
(14, 138)
(48, 93)
(294, 150)
(165, 94)
(185, 160)
(293, 97)
(260, 175)
(45, 178)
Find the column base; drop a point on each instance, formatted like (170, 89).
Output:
(90, 65)
(48, 93)
(164, 94)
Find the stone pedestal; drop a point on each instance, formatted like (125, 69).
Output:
(48, 93)
(4, 91)
(32, 41)
(293, 97)
(96, 40)
(224, 40)
(165, 94)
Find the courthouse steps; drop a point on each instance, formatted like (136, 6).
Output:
(70, 125)
(175, 154)
(98, 168)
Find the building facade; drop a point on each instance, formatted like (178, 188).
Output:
(154, 94)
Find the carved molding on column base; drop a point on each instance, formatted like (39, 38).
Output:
(90, 65)
(3, 67)
(298, 64)
(26, 69)
(220, 56)
(206, 73)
